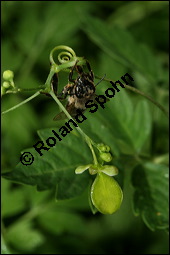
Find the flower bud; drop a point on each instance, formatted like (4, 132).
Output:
(8, 75)
(101, 147)
(107, 148)
(6, 84)
(106, 156)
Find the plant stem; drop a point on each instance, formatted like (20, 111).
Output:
(39, 87)
(147, 97)
(89, 142)
(23, 102)
(142, 94)
(87, 138)
(17, 90)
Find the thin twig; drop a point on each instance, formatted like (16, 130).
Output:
(142, 94)
(23, 102)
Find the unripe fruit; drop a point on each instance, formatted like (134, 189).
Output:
(106, 194)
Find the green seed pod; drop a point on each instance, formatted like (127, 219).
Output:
(106, 156)
(8, 75)
(6, 84)
(106, 194)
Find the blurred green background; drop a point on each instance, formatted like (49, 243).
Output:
(32, 221)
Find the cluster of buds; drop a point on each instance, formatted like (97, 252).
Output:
(8, 83)
(104, 152)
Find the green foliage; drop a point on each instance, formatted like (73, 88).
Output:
(53, 170)
(49, 213)
(151, 194)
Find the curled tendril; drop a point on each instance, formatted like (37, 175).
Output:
(62, 59)
(63, 56)
(66, 58)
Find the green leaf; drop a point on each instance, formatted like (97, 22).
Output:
(123, 126)
(23, 237)
(72, 185)
(141, 124)
(120, 45)
(56, 167)
(151, 194)
(112, 124)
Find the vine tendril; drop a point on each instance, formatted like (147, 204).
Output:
(66, 58)
(63, 56)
